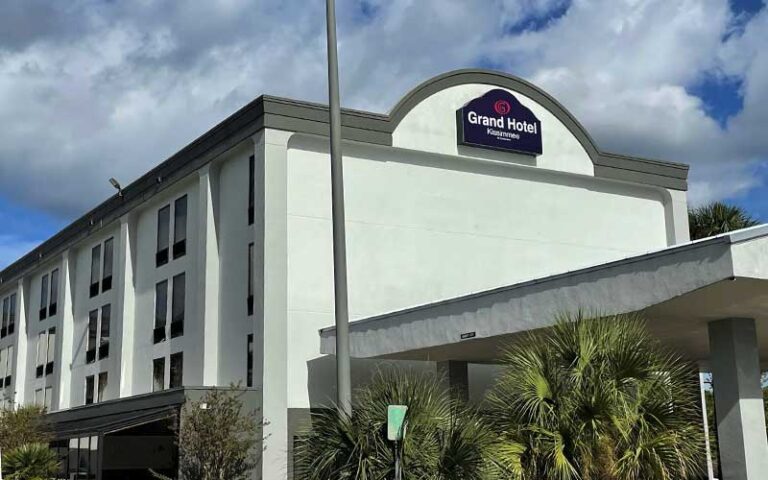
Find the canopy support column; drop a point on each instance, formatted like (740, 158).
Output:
(738, 399)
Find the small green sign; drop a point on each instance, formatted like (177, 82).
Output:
(396, 422)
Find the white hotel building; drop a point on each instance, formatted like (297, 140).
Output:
(216, 267)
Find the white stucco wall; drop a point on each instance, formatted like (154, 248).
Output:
(423, 227)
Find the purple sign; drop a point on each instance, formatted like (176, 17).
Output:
(498, 121)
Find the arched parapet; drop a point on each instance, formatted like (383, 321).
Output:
(423, 119)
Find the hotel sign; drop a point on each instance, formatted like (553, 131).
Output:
(497, 120)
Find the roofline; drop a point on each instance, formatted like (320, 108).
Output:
(312, 118)
(737, 236)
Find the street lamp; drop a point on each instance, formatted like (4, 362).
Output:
(119, 189)
(343, 382)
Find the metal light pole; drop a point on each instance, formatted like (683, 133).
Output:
(343, 382)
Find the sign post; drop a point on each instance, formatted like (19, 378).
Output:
(396, 433)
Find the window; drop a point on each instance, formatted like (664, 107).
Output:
(177, 306)
(42, 350)
(251, 186)
(249, 301)
(106, 274)
(8, 368)
(161, 310)
(101, 267)
(50, 351)
(89, 390)
(47, 398)
(4, 324)
(52, 306)
(44, 297)
(177, 370)
(158, 374)
(106, 314)
(98, 334)
(46, 348)
(93, 332)
(3, 366)
(12, 315)
(180, 227)
(78, 457)
(95, 270)
(39, 397)
(163, 230)
(249, 365)
(92, 393)
(102, 386)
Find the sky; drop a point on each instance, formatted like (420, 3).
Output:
(93, 89)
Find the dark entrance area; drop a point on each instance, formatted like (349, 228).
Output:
(130, 453)
(120, 439)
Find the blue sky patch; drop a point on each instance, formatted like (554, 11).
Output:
(537, 22)
(721, 96)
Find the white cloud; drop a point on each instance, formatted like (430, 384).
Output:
(103, 89)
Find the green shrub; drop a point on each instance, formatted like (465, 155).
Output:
(445, 440)
(598, 399)
(33, 461)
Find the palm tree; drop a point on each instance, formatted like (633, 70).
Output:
(598, 399)
(32, 461)
(717, 218)
(444, 439)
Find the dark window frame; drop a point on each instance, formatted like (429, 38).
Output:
(249, 298)
(5, 314)
(158, 364)
(50, 352)
(251, 188)
(40, 362)
(92, 337)
(12, 314)
(100, 392)
(95, 270)
(107, 267)
(178, 304)
(53, 298)
(181, 204)
(163, 235)
(43, 314)
(176, 375)
(249, 360)
(161, 312)
(89, 389)
(105, 319)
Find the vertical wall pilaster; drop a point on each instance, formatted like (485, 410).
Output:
(126, 303)
(208, 276)
(676, 213)
(68, 272)
(271, 296)
(22, 342)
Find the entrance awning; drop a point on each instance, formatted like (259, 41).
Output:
(680, 289)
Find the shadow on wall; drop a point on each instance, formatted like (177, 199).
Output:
(321, 383)
(321, 375)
